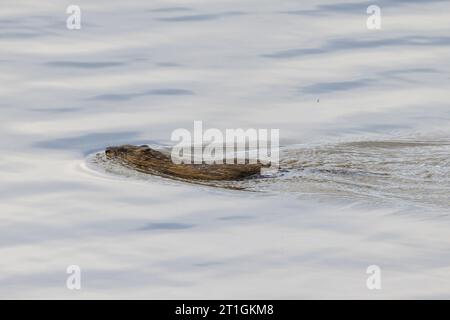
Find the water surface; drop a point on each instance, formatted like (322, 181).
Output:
(364, 124)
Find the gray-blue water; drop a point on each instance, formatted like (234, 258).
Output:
(345, 99)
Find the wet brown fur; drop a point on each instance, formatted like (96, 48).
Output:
(148, 160)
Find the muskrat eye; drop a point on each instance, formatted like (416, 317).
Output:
(144, 147)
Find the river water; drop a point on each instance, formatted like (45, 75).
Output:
(365, 143)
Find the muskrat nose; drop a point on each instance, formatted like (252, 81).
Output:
(109, 151)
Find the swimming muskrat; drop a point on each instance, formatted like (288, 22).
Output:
(148, 160)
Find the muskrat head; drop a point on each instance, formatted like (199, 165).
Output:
(120, 151)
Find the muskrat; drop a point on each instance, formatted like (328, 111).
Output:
(148, 160)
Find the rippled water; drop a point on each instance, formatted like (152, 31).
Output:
(417, 171)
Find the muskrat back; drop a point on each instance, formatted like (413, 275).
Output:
(148, 160)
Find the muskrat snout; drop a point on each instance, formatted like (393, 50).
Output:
(110, 151)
